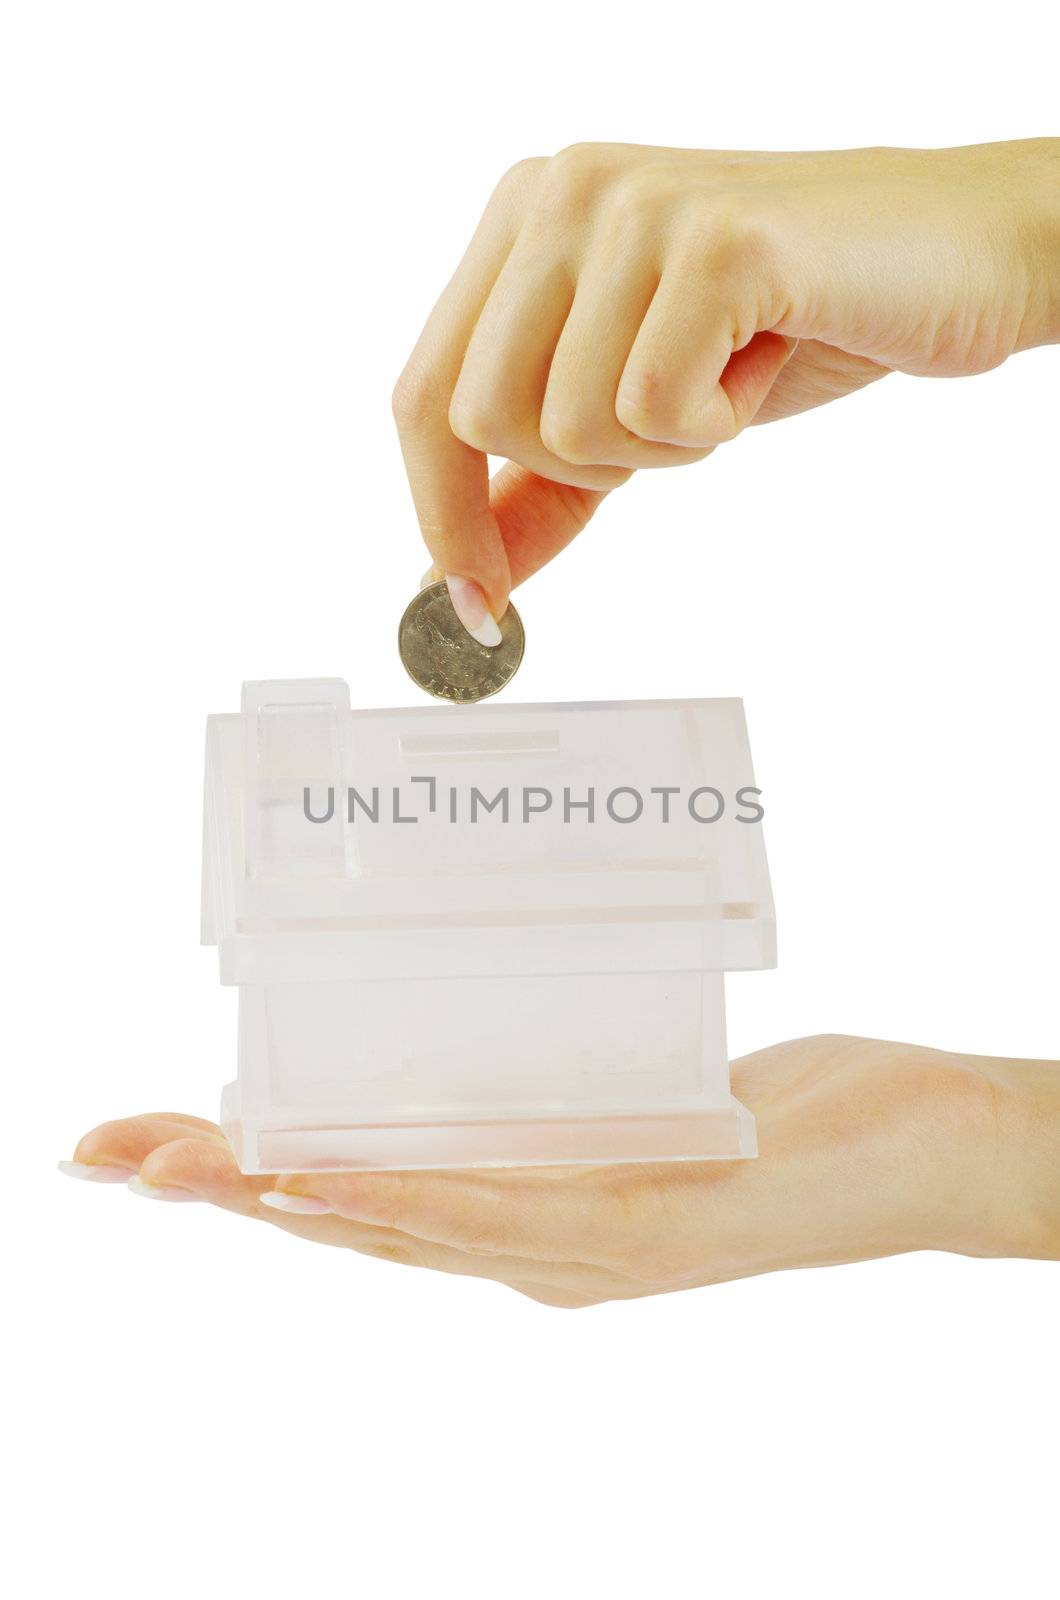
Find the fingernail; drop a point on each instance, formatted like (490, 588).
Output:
(469, 603)
(304, 1205)
(432, 575)
(158, 1191)
(96, 1172)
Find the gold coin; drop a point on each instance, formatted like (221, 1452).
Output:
(440, 655)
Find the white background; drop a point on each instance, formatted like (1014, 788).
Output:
(224, 225)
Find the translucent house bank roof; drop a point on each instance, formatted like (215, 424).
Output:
(480, 836)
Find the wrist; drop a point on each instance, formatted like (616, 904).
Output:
(1036, 175)
(1013, 1185)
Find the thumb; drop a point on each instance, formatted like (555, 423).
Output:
(537, 518)
(751, 373)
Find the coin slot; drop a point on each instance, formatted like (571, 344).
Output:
(455, 745)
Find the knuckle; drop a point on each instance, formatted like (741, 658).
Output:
(570, 438)
(638, 405)
(715, 228)
(647, 410)
(631, 195)
(576, 160)
(571, 180)
(414, 399)
(522, 175)
(473, 423)
(720, 427)
(731, 238)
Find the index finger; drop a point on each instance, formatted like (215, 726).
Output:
(448, 478)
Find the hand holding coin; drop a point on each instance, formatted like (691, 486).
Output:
(624, 307)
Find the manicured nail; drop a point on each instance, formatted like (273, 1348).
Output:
(303, 1205)
(96, 1172)
(158, 1191)
(469, 603)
